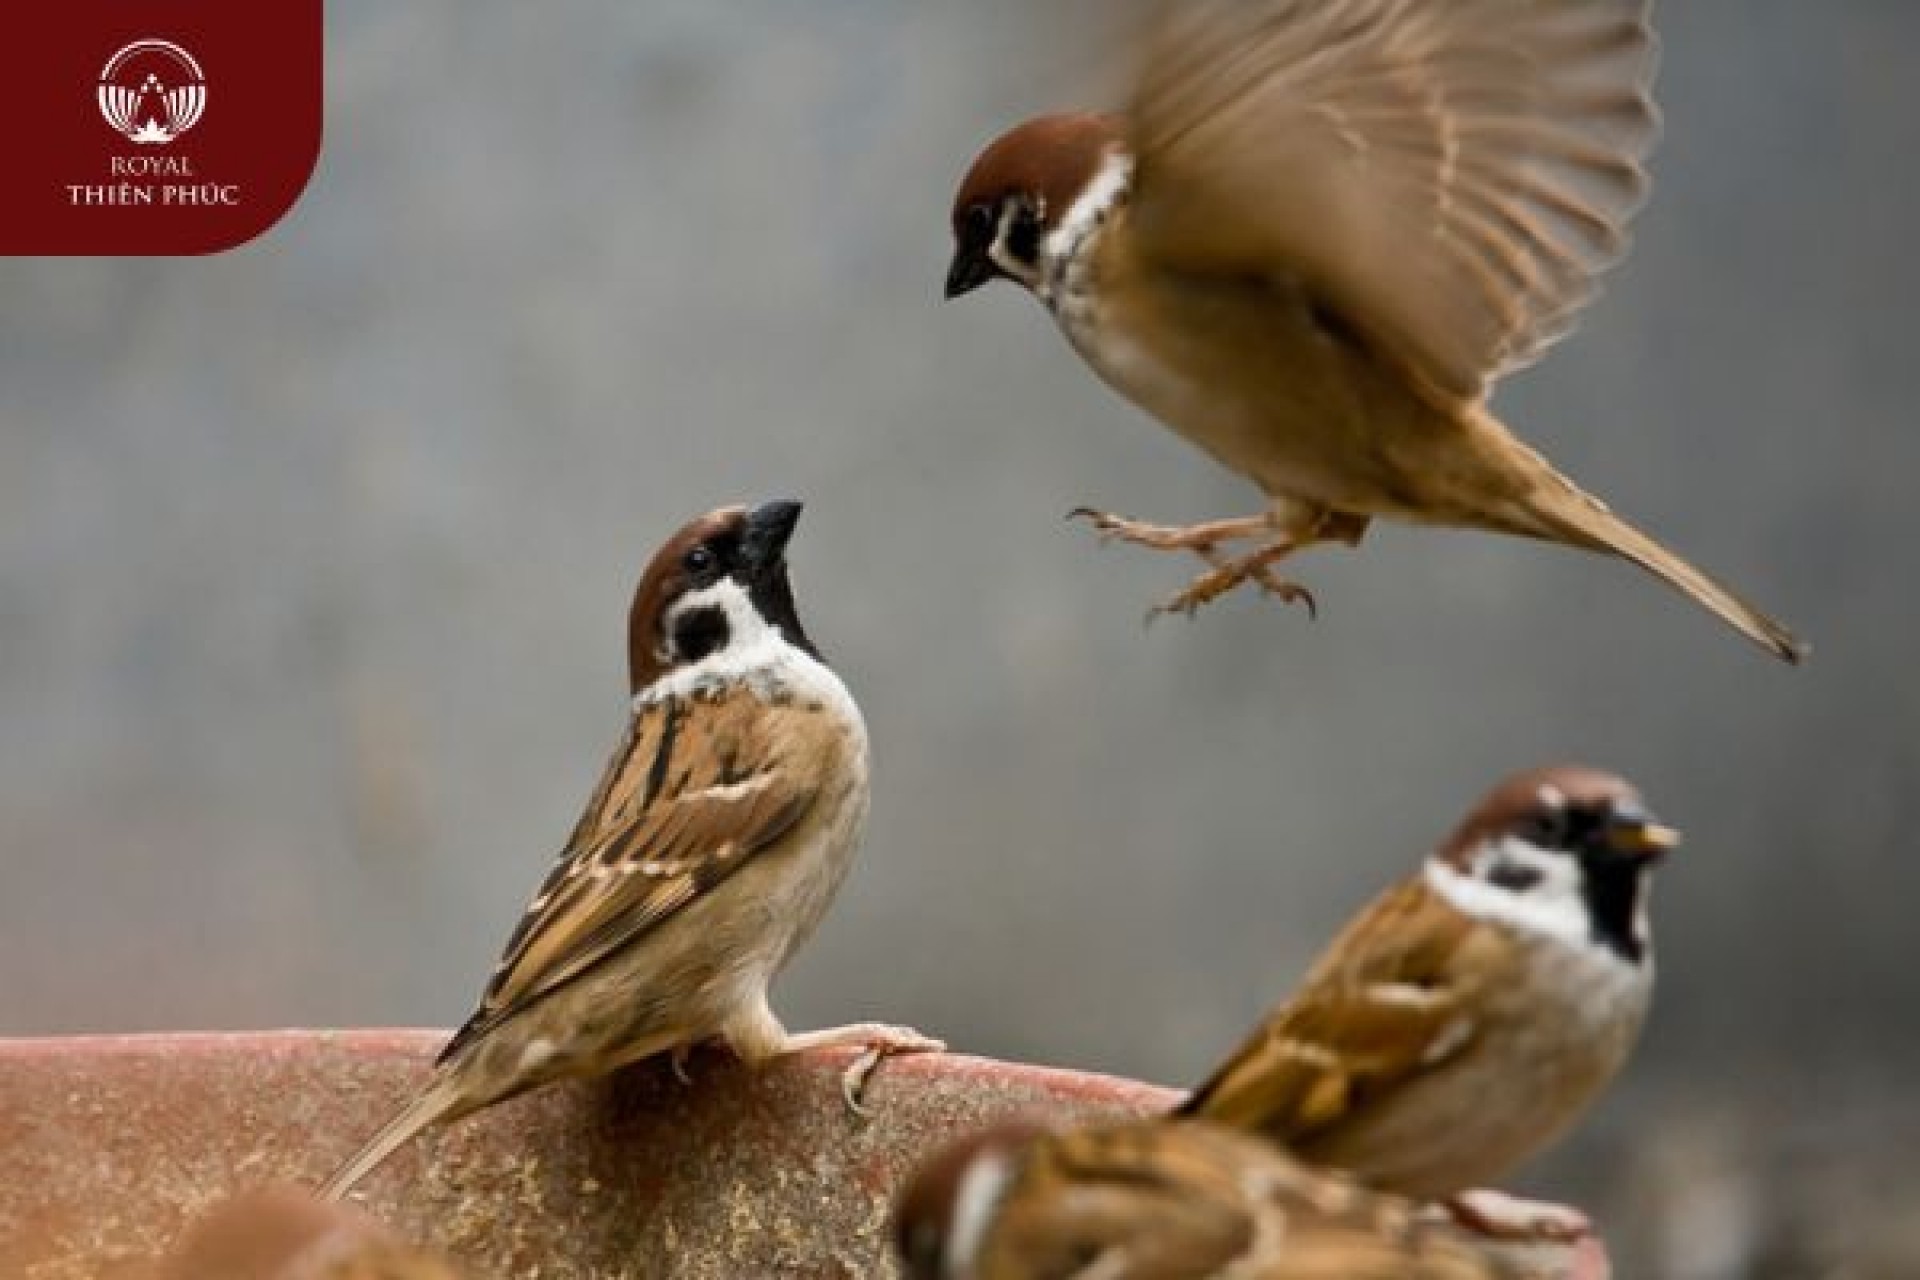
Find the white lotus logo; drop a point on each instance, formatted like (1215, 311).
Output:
(152, 91)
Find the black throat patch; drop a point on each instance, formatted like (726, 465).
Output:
(772, 598)
(1611, 885)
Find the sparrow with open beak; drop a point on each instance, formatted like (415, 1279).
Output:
(1463, 1021)
(718, 835)
(1316, 238)
(1161, 1201)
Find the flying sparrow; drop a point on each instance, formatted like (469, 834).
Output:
(719, 832)
(1317, 237)
(1463, 1021)
(1161, 1200)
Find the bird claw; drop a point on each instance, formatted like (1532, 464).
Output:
(853, 1081)
(1287, 592)
(1216, 582)
(882, 1042)
(1107, 526)
(1204, 540)
(875, 1040)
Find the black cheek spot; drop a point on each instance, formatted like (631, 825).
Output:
(699, 632)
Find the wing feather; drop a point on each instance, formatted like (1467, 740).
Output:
(1390, 999)
(696, 788)
(1157, 1201)
(1451, 175)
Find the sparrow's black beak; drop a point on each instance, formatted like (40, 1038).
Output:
(971, 268)
(763, 542)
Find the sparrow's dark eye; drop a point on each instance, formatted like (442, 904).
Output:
(976, 224)
(699, 560)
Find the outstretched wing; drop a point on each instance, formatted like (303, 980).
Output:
(1449, 175)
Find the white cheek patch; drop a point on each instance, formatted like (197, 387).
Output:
(744, 623)
(1552, 908)
(755, 652)
(1005, 258)
(974, 1202)
(1103, 194)
(751, 644)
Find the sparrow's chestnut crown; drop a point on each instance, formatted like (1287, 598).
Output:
(1017, 190)
(1569, 808)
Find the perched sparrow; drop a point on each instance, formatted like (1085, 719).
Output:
(719, 832)
(1317, 237)
(1161, 1201)
(1461, 1023)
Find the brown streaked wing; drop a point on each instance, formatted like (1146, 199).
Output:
(1320, 1226)
(1449, 176)
(1149, 1202)
(698, 786)
(1185, 1201)
(1391, 997)
(1421, 1251)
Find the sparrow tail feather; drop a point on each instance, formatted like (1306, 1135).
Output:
(1565, 513)
(442, 1100)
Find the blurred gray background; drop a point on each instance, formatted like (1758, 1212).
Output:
(314, 558)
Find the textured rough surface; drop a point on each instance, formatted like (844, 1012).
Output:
(111, 1147)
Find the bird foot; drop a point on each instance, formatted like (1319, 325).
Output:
(877, 1042)
(1201, 539)
(1254, 567)
(1204, 539)
(1499, 1216)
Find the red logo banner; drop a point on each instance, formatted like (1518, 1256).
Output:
(169, 127)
